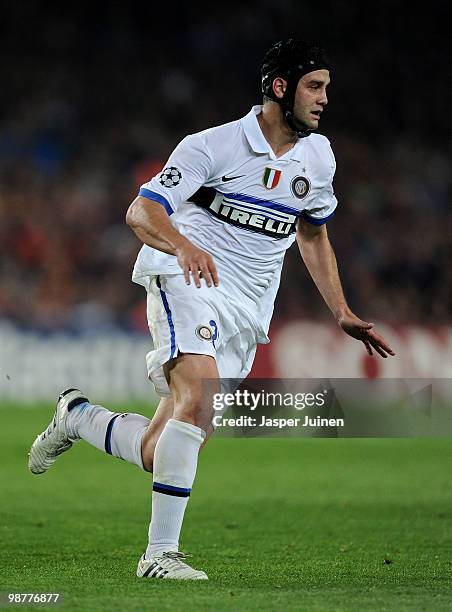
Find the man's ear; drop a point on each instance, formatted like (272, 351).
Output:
(279, 87)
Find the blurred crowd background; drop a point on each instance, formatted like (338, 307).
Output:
(94, 99)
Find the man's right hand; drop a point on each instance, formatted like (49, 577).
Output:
(197, 262)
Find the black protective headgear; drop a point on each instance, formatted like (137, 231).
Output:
(290, 60)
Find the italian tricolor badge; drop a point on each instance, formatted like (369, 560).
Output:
(271, 178)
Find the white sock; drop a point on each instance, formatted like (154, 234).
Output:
(114, 433)
(175, 461)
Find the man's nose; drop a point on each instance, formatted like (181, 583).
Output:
(323, 99)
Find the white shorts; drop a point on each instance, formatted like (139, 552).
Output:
(185, 319)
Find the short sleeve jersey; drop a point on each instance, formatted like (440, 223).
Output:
(227, 192)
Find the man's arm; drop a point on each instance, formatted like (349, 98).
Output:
(151, 223)
(318, 255)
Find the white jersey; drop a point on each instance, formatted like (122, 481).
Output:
(228, 193)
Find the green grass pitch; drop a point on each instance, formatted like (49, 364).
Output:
(277, 524)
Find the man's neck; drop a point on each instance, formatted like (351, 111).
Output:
(275, 129)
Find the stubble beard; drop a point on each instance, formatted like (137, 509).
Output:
(302, 124)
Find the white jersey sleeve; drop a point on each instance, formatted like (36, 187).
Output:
(323, 207)
(188, 168)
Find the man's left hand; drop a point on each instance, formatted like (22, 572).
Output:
(354, 327)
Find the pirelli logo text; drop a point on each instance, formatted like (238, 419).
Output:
(249, 213)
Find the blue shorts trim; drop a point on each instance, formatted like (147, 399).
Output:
(169, 317)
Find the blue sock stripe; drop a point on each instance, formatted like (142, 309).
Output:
(108, 433)
(158, 487)
(171, 487)
(170, 318)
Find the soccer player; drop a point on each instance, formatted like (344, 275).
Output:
(215, 225)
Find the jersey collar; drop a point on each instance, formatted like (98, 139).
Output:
(257, 140)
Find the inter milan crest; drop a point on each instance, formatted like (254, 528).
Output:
(204, 332)
(271, 178)
(300, 187)
(170, 177)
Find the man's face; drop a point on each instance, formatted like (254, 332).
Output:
(310, 98)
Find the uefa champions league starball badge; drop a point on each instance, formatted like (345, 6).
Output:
(170, 177)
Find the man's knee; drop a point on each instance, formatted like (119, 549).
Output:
(191, 408)
(149, 442)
